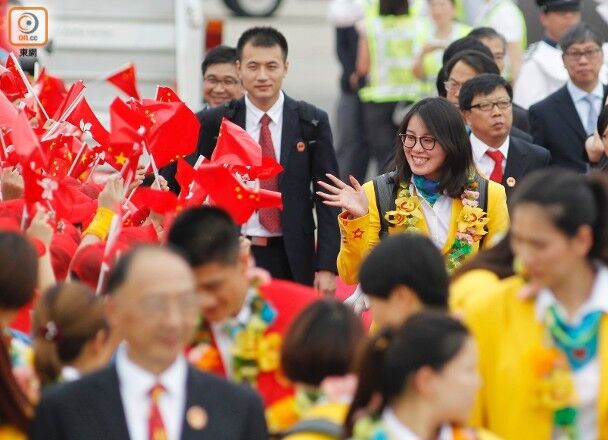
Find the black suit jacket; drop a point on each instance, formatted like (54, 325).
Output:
(91, 408)
(522, 159)
(301, 168)
(556, 125)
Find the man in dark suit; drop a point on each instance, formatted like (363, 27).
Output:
(299, 137)
(485, 102)
(562, 121)
(150, 392)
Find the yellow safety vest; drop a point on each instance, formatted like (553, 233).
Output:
(390, 42)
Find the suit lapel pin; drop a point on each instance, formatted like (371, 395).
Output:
(300, 146)
(197, 417)
(511, 182)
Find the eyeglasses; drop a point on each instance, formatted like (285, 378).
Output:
(452, 86)
(226, 82)
(590, 54)
(409, 141)
(502, 104)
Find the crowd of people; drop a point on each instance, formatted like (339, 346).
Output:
(246, 279)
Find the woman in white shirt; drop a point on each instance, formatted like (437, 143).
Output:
(71, 333)
(416, 382)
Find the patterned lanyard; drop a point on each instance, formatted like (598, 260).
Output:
(579, 343)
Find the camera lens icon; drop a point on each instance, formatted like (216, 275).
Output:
(27, 23)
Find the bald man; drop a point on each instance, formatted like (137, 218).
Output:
(150, 392)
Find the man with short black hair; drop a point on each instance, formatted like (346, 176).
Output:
(150, 392)
(563, 121)
(297, 135)
(234, 308)
(221, 82)
(485, 102)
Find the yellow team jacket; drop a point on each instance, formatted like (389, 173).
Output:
(506, 331)
(360, 235)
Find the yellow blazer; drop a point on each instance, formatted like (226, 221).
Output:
(465, 288)
(360, 235)
(507, 332)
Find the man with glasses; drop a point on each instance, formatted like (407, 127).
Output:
(563, 121)
(150, 392)
(485, 103)
(220, 78)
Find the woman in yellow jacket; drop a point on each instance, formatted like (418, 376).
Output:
(544, 359)
(434, 190)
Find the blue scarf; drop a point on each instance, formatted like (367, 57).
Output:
(427, 188)
(579, 343)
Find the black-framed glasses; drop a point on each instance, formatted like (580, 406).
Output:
(409, 141)
(502, 104)
(226, 82)
(576, 55)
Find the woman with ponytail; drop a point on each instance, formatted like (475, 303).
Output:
(71, 334)
(544, 358)
(18, 278)
(416, 382)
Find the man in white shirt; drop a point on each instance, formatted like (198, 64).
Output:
(150, 392)
(485, 102)
(563, 121)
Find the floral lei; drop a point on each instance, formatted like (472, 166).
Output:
(470, 227)
(253, 351)
(372, 428)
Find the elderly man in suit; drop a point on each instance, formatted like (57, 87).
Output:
(485, 102)
(150, 392)
(562, 121)
(297, 135)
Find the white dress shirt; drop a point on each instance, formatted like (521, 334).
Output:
(483, 162)
(581, 105)
(253, 126)
(135, 385)
(395, 429)
(223, 340)
(437, 216)
(586, 379)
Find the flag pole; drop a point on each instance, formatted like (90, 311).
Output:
(29, 87)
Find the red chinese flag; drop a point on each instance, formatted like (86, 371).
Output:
(166, 94)
(236, 147)
(25, 142)
(125, 80)
(85, 120)
(173, 132)
(161, 202)
(17, 79)
(127, 125)
(229, 193)
(191, 193)
(59, 155)
(8, 112)
(50, 90)
(76, 90)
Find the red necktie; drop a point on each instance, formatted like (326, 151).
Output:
(156, 427)
(497, 157)
(270, 218)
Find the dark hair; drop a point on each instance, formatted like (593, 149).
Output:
(580, 33)
(602, 121)
(444, 122)
(261, 36)
(392, 357)
(476, 60)
(321, 342)
(205, 235)
(488, 33)
(571, 201)
(497, 259)
(393, 7)
(15, 408)
(219, 55)
(481, 85)
(465, 43)
(64, 320)
(18, 270)
(410, 260)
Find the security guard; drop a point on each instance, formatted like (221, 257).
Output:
(542, 71)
